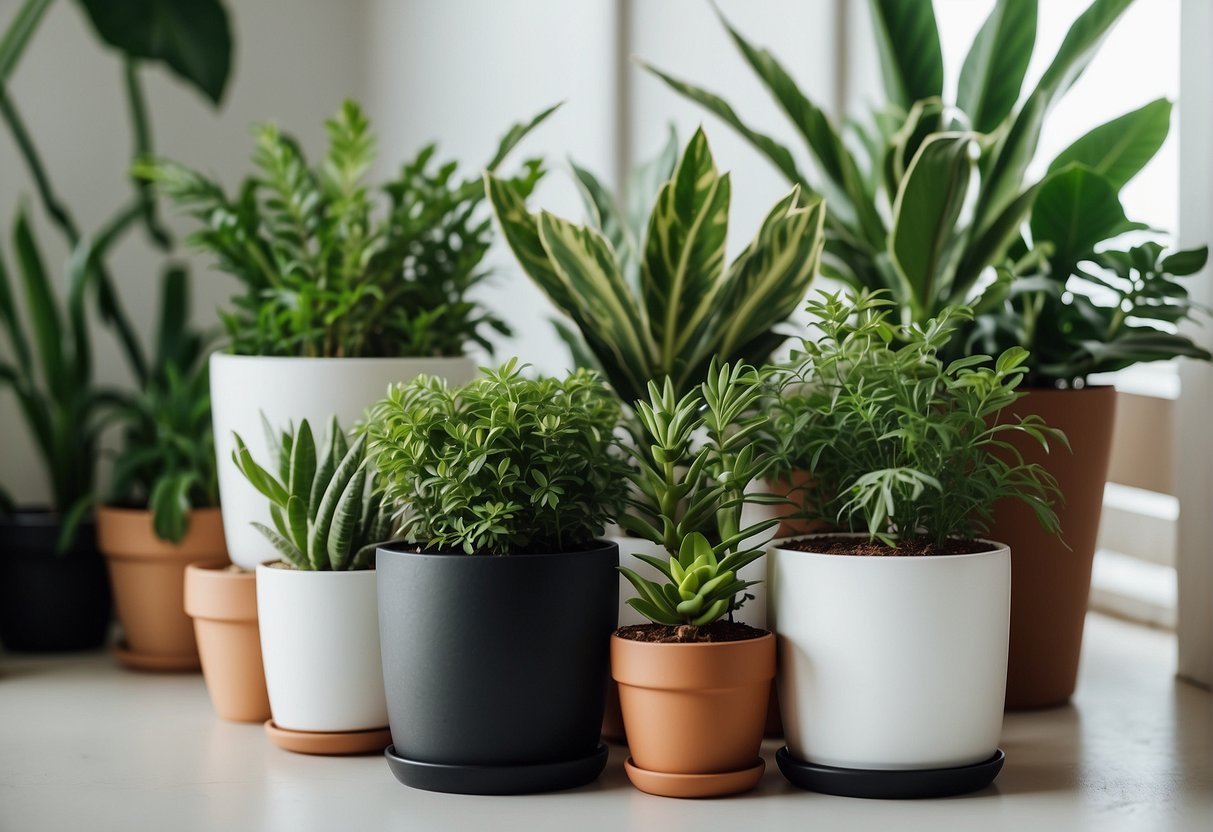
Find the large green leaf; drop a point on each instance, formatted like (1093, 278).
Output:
(20, 29)
(925, 211)
(192, 37)
(994, 69)
(911, 60)
(1074, 210)
(516, 134)
(1119, 149)
(684, 249)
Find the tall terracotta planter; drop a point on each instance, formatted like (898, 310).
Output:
(1050, 582)
(148, 579)
(222, 600)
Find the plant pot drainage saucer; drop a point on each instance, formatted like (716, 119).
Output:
(476, 779)
(889, 785)
(154, 662)
(694, 785)
(329, 743)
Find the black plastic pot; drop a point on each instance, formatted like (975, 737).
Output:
(495, 667)
(50, 602)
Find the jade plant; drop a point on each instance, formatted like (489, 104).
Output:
(668, 305)
(503, 464)
(899, 444)
(326, 502)
(695, 462)
(333, 267)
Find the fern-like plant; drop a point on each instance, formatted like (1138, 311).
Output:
(334, 268)
(684, 307)
(327, 504)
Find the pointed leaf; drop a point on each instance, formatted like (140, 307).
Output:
(911, 60)
(1120, 148)
(994, 69)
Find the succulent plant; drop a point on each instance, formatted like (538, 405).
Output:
(328, 508)
(701, 587)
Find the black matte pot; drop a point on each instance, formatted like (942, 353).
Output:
(50, 602)
(495, 667)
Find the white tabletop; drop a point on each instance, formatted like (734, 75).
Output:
(88, 747)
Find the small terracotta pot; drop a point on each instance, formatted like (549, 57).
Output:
(793, 487)
(222, 601)
(694, 713)
(1051, 574)
(147, 575)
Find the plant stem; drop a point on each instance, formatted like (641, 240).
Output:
(141, 128)
(25, 145)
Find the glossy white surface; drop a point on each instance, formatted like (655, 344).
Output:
(320, 647)
(288, 390)
(891, 663)
(86, 746)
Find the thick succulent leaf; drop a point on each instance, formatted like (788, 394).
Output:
(1075, 210)
(192, 37)
(1120, 148)
(653, 613)
(257, 476)
(303, 463)
(322, 525)
(925, 212)
(346, 520)
(297, 520)
(994, 69)
(911, 59)
(684, 249)
(326, 464)
(287, 549)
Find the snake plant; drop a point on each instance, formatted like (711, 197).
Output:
(684, 306)
(326, 504)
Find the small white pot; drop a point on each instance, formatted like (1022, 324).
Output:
(320, 644)
(754, 612)
(891, 662)
(286, 391)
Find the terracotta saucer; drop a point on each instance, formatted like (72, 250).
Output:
(153, 663)
(330, 743)
(694, 785)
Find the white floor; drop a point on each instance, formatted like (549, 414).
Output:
(87, 747)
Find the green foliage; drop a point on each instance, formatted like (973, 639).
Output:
(666, 305)
(326, 503)
(168, 459)
(332, 268)
(897, 442)
(696, 457)
(503, 464)
(898, 179)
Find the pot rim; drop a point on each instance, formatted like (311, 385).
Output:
(110, 508)
(398, 547)
(996, 548)
(220, 356)
(266, 568)
(766, 634)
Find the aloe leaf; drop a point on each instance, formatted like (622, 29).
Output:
(287, 549)
(653, 613)
(345, 520)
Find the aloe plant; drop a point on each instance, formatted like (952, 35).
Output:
(326, 504)
(684, 307)
(929, 196)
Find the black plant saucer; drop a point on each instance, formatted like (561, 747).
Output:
(889, 785)
(521, 779)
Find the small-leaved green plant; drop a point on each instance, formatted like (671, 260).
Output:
(503, 464)
(898, 443)
(696, 457)
(327, 504)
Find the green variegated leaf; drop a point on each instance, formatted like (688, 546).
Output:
(326, 465)
(346, 520)
(318, 534)
(606, 216)
(684, 249)
(287, 549)
(303, 463)
(296, 519)
(521, 231)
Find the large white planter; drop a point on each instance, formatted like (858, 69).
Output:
(320, 645)
(891, 662)
(286, 390)
(754, 612)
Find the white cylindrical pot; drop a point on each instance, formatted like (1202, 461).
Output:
(753, 612)
(891, 662)
(286, 391)
(320, 646)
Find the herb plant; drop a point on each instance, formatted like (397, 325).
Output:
(667, 305)
(930, 195)
(503, 464)
(327, 504)
(333, 268)
(695, 460)
(898, 443)
(168, 459)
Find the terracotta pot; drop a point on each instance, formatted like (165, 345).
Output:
(793, 486)
(222, 601)
(147, 575)
(1050, 582)
(694, 713)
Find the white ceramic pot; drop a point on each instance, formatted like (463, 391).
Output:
(891, 662)
(320, 645)
(288, 390)
(754, 612)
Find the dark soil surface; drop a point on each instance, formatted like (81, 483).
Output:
(717, 631)
(905, 548)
